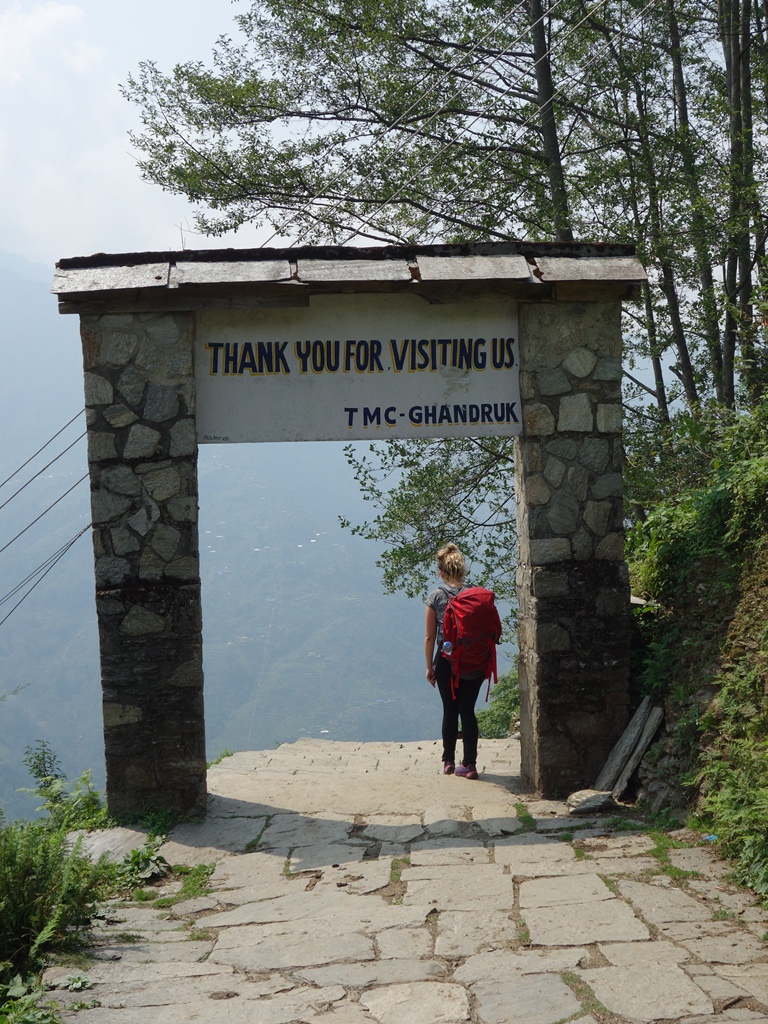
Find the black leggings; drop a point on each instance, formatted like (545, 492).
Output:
(462, 707)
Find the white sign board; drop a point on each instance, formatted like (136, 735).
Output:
(351, 367)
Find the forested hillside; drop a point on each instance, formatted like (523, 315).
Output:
(701, 558)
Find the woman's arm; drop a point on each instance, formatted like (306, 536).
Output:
(430, 631)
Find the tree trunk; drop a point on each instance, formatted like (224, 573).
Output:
(735, 24)
(685, 369)
(749, 210)
(658, 370)
(710, 314)
(661, 246)
(545, 95)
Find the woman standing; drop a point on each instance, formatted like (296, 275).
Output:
(450, 566)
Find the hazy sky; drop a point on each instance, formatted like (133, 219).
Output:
(68, 181)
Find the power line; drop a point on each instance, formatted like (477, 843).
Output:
(444, 77)
(576, 76)
(335, 207)
(448, 145)
(45, 567)
(16, 471)
(44, 512)
(47, 466)
(50, 563)
(39, 569)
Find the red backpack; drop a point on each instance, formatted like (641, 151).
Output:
(472, 626)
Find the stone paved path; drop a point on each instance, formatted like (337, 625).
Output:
(355, 884)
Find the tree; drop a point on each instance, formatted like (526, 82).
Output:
(429, 492)
(418, 121)
(362, 117)
(343, 119)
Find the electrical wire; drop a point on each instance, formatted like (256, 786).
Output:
(35, 572)
(420, 170)
(448, 145)
(17, 471)
(45, 567)
(50, 563)
(44, 512)
(444, 77)
(575, 77)
(40, 472)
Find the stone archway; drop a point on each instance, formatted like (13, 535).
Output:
(139, 319)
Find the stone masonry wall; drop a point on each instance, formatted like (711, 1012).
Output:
(572, 579)
(142, 452)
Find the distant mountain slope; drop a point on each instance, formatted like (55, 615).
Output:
(298, 637)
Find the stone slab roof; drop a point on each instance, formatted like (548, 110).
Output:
(215, 278)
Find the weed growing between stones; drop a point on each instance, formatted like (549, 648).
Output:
(663, 844)
(194, 882)
(525, 818)
(398, 863)
(395, 889)
(590, 1004)
(142, 865)
(84, 1004)
(253, 844)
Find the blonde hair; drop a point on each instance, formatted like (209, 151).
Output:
(450, 562)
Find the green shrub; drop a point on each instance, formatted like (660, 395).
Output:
(48, 891)
(669, 459)
(675, 534)
(26, 1001)
(494, 721)
(747, 485)
(734, 772)
(736, 808)
(143, 865)
(701, 552)
(70, 805)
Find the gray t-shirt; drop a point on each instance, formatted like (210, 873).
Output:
(438, 599)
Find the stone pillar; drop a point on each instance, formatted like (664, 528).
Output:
(142, 453)
(572, 580)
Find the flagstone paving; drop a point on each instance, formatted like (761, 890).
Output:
(353, 883)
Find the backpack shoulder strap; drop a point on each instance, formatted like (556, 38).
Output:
(449, 597)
